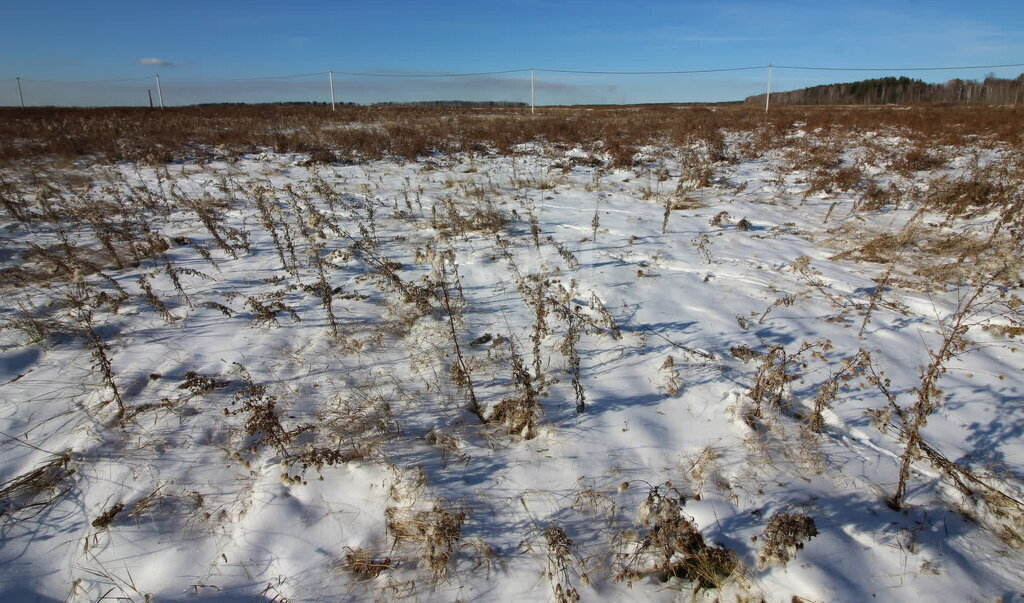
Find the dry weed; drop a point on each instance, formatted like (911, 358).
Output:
(672, 547)
(784, 535)
(561, 563)
(28, 494)
(364, 564)
(436, 532)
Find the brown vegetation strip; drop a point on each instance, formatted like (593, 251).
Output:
(361, 133)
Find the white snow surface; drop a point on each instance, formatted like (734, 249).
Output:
(213, 511)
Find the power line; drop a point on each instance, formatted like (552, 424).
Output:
(653, 72)
(275, 77)
(540, 69)
(127, 79)
(367, 74)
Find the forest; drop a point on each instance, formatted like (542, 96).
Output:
(903, 90)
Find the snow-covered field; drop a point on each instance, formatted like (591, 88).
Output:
(513, 377)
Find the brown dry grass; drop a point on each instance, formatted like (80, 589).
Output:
(359, 133)
(673, 547)
(783, 536)
(435, 532)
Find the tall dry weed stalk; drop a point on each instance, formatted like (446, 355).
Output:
(927, 396)
(521, 412)
(568, 256)
(78, 300)
(153, 300)
(560, 563)
(539, 303)
(570, 349)
(851, 367)
(268, 219)
(462, 375)
(323, 287)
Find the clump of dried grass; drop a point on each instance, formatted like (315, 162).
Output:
(919, 159)
(28, 494)
(36, 325)
(784, 535)
(974, 193)
(435, 532)
(672, 547)
(364, 564)
(107, 517)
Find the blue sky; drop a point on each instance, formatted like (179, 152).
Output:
(197, 46)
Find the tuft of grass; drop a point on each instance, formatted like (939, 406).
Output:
(673, 547)
(436, 532)
(364, 564)
(27, 495)
(783, 536)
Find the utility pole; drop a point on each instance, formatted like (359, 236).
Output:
(533, 96)
(159, 91)
(149, 91)
(768, 94)
(20, 96)
(330, 77)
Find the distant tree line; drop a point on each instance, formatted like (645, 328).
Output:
(450, 103)
(433, 103)
(274, 104)
(903, 90)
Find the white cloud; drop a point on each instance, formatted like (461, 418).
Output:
(157, 62)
